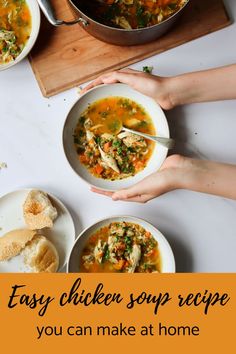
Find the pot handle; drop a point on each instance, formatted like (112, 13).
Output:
(48, 11)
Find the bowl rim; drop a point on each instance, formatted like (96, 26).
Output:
(36, 22)
(135, 218)
(66, 121)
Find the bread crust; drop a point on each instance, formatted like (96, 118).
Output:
(41, 255)
(38, 210)
(13, 242)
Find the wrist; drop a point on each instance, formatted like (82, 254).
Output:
(174, 91)
(177, 90)
(174, 169)
(193, 174)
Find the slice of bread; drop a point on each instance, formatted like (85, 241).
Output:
(13, 242)
(41, 255)
(38, 210)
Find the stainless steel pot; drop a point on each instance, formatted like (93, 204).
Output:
(110, 34)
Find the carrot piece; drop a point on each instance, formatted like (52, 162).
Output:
(25, 15)
(98, 169)
(164, 2)
(83, 158)
(106, 146)
(138, 165)
(150, 253)
(150, 4)
(119, 265)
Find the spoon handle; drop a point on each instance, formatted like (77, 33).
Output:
(167, 142)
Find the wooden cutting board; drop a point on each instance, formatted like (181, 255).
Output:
(64, 57)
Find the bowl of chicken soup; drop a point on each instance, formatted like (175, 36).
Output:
(121, 244)
(19, 28)
(97, 148)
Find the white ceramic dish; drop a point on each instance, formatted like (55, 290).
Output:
(35, 17)
(167, 257)
(62, 235)
(154, 110)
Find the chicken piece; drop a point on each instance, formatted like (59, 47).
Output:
(88, 260)
(134, 257)
(111, 244)
(88, 123)
(107, 136)
(130, 232)
(109, 160)
(133, 122)
(118, 229)
(7, 36)
(95, 127)
(122, 22)
(90, 136)
(160, 17)
(99, 251)
(132, 140)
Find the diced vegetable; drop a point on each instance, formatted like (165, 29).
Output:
(147, 69)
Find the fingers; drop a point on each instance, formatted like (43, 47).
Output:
(123, 197)
(99, 191)
(129, 71)
(132, 192)
(138, 199)
(92, 84)
(125, 76)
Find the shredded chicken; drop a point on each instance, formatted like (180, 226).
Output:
(135, 256)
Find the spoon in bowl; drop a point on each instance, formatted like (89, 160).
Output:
(167, 142)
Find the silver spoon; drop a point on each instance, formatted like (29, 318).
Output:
(167, 142)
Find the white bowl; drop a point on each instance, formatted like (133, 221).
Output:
(121, 90)
(35, 18)
(167, 257)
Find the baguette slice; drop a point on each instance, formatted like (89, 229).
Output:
(13, 242)
(40, 255)
(38, 210)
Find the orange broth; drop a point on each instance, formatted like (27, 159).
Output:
(107, 116)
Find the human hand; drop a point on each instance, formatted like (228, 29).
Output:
(156, 87)
(165, 180)
(179, 172)
(202, 86)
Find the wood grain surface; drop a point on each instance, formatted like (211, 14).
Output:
(64, 57)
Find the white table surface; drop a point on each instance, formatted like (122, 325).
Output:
(200, 228)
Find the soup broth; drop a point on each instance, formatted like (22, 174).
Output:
(15, 28)
(121, 247)
(131, 14)
(105, 151)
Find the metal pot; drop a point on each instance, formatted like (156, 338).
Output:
(110, 34)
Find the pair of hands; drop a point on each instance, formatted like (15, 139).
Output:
(180, 172)
(162, 181)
